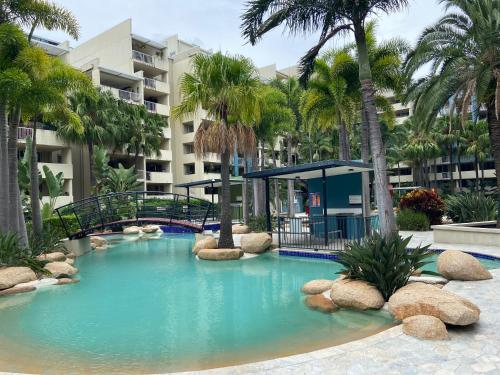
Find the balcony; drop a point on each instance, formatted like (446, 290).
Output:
(153, 86)
(149, 63)
(66, 169)
(125, 95)
(163, 155)
(153, 107)
(23, 133)
(159, 177)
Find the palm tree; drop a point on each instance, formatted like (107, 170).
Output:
(293, 93)
(13, 81)
(50, 81)
(332, 18)
(98, 112)
(462, 51)
(227, 88)
(330, 100)
(476, 145)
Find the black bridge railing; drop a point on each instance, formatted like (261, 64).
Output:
(114, 209)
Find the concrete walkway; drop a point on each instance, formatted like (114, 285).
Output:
(427, 238)
(470, 350)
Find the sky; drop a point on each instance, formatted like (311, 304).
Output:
(215, 24)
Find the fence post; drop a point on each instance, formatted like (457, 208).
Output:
(325, 206)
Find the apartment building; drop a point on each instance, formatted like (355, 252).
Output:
(442, 171)
(134, 69)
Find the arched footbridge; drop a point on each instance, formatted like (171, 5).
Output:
(116, 210)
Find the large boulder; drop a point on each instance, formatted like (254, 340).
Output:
(317, 286)
(423, 299)
(240, 229)
(132, 230)
(17, 290)
(255, 243)
(457, 265)
(15, 275)
(60, 269)
(96, 241)
(205, 243)
(151, 228)
(320, 303)
(356, 294)
(52, 257)
(425, 327)
(220, 254)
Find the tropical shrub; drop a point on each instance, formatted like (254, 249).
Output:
(48, 241)
(54, 226)
(471, 207)
(425, 201)
(412, 220)
(383, 262)
(13, 254)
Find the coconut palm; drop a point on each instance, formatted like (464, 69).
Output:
(332, 18)
(227, 88)
(50, 81)
(293, 93)
(462, 50)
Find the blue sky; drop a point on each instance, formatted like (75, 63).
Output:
(214, 24)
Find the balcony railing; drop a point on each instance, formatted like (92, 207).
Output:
(150, 82)
(129, 96)
(23, 133)
(150, 106)
(143, 57)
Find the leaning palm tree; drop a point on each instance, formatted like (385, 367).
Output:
(227, 88)
(462, 51)
(332, 18)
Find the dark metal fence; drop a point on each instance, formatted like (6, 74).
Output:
(140, 206)
(314, 233)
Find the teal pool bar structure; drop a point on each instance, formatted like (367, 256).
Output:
(336, 211)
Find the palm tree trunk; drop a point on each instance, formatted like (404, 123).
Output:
(452, 181)
(226, 232)
(384, 200)
(459, 163)
(244, 192)
(482, 175)
(494, 131)
(276, 183)
(476, 169)
(4, 171)
(15, 205)
(90, 147)
(290, 183)
(36, 216)
(344, 151)
(310, 148)
(365, 156)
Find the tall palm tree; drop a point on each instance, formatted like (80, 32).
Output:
(227, 88)
(476, 145)
(50, 81)
(98, 112)
(462, 51)
(332, 18)
(293, 93)
(13, 81)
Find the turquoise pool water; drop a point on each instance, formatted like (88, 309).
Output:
(150, 306)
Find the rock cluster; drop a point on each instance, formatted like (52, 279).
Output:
(98, 243)
(240, 229)
(356, 294)
(132, 230)
(151, 228)
(220, 254)
(205, 243)
(457, 265)
(321, 303)
(60, 269)
(317, 286)
(15, 275)
(425, 327)
(255, 243)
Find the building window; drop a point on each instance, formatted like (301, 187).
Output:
(188, 127)
(211, 168)
(188, 148)
(403, 113)
(189, 168)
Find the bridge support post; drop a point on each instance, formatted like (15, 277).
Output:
(268, 207)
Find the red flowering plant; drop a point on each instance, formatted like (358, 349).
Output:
(426, 201)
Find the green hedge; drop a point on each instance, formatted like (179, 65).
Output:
(412, 220)
(55, 226)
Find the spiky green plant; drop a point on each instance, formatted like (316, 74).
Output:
(384, 262)
(471, 207)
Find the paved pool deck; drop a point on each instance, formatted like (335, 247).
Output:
(469, 350)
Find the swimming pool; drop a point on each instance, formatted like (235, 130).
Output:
(150, 306)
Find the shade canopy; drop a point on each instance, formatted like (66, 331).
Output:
(313, 170)
(215, 182)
